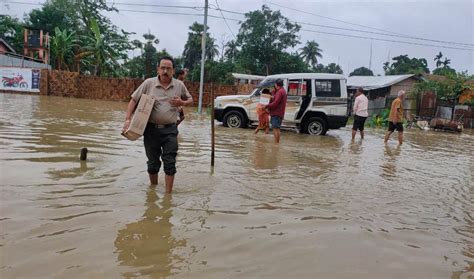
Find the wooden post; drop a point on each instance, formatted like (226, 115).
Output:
(212, 126)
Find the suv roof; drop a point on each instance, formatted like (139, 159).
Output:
(308, 76)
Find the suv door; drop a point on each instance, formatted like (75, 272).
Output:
(297, 88)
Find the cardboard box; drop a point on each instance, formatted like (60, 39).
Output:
(265, 99)
(140, 118)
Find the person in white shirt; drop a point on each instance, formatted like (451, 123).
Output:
(360, 112)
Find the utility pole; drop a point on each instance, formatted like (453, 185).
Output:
(203, 56)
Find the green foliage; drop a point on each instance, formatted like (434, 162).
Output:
(444, 71)
(362, 71)
(379, 120)
(98, 48)
(102, 45)
(438, 59)
(262, 37)
(214, 71)
(63, 45)
(310, 53)
(11, 31)
(331, 68)
(405, 65)
(144, 65)
(447, 89)
(62, 14)
(442, 67)
(290, 63)
(192, 48)
(231, 51)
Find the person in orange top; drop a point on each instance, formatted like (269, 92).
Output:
(263, 116)
(396, 118)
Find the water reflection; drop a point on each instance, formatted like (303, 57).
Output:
(148, 245)
(389, 166)
(265, 153)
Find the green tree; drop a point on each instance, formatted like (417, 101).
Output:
(289, 63)
(404, 65)
(262, 37)
(331, 68)
(63, 44)
(442, 67)
(444, 71)
(438, 59)
(362, 71)
(446, 62)
(231, 51)
(55, 13)
(11, 30)
(150, 54)
(192, 48)
(448, 88)
(99, 48)
(77, 16)
(310, 53)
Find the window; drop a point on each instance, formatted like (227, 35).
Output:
(297, 88)
(328, 88)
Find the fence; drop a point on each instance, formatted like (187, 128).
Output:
(72, 84)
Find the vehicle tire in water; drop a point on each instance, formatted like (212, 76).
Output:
(315, 126)
(234, 119)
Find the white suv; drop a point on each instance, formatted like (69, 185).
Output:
(315, 103)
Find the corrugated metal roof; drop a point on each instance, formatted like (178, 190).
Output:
(374, 82)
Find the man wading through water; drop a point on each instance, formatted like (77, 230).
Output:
(277, 108)
(160, 136)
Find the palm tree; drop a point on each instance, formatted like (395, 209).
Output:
(231, 50)
(192, 48)
(212, 49)
(446, 62)
(62, 46)
(310, 53)
(438, 59)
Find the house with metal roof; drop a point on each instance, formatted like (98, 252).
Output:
(381, 90)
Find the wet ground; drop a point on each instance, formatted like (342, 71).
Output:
(312, 207)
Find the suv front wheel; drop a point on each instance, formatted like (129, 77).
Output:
(315, 126)
(234, 119)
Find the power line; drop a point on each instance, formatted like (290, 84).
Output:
(360, 25)
(334, 19)
(385, 40)
(384, 34)
(303, 23)
(156, 5)
(165, 13)
(363, 31)
(173, 13)
(225, 20)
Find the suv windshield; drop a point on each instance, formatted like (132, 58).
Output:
(266, 83)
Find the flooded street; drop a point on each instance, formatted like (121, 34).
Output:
(312, 207)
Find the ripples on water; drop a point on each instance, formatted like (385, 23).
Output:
(311, 207)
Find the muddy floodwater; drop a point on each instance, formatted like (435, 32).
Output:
(312, 207)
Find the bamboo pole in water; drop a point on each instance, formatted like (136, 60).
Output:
(212, 126)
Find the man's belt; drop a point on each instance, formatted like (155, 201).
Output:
(161, 126)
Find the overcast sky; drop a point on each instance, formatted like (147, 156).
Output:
(441, 20)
